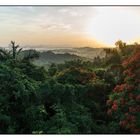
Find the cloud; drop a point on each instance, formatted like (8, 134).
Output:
(44, 21)
(70, 12)
(57, 27)
(63, 18)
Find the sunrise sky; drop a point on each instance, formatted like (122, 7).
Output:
(69, 26)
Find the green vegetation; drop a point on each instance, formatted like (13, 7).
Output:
(76, 97)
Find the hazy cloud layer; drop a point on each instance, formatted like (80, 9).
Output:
(61, 24)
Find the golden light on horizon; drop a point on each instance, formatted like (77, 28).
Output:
(76, 26)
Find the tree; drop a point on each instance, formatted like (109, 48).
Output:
(30, 55)
(124, 103)
(15, 49)
(17, 53)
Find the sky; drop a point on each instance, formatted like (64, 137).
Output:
(93, 26)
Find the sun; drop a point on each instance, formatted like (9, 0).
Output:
(112, 24)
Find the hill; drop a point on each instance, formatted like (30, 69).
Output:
(47, 57)
(87, 52)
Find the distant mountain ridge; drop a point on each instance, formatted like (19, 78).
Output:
(48, 57)
(67, 54)
(87, 52)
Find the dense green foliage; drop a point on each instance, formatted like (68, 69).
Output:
(77, 97)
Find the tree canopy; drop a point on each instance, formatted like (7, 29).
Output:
(75, 97)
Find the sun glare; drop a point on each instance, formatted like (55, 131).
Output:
(112, 24)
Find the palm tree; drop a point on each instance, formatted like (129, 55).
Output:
(10, 54)
(14, 52)
(15, 49)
